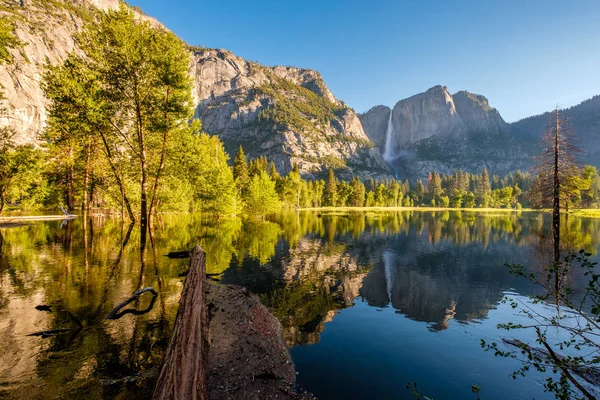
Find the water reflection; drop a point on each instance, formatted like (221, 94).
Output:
(433, 267)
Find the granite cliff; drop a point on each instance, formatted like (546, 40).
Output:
(437, 130)
(285, 113)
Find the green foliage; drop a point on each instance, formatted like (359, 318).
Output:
(258, 165)
(330, 191)
(202, 165)
(7, 40)
(483, 189)
(261, 197)
(357, 197)
(240, 171)
(19, 172)
(295, 107)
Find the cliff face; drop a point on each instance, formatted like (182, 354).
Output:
(375, 124)
(437, 130)
(477, 115)
(46, 30)
(425, 115)
(285, 113)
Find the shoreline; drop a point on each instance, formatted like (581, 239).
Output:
(248, 358)
(585, 212)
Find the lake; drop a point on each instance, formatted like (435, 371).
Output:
(368, 301)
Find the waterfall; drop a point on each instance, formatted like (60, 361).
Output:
(390, 273)
(389, 134)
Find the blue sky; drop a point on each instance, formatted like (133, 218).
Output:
(525, 56)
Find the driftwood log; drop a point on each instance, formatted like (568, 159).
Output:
(115, 314)
(183, 374)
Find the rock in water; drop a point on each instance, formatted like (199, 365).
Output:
(247, 358)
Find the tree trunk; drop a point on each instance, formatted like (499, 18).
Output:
(115, 172)
(86, 176)
(556, 214)
(556, 197)
(144, 170)
(69, 183)
(163, 153)
(183, 372)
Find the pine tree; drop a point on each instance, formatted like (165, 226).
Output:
(357, 198)
(419, 191)
(434, 186)
(483, 189)
(330, 191)
(556, 167)
(240, 171)
(258, 165)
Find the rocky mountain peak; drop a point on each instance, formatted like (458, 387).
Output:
(437, 130)
(424, 115)
(285, 113)
(477, 114)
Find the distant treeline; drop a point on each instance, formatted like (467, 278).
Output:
(457, 190)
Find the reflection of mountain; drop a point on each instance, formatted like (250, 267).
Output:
(305, 287)
(437, 282)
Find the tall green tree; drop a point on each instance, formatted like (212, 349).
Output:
(240, 171)
(483, 189)
(434, 185)
(203, 170)
(330, 190)
(146, 94)
(15, 162)
(292, 188)
(70, 134)
(357, 198)
(261, 197)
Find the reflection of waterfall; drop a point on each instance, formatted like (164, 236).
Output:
(389, 135)
(390, 272)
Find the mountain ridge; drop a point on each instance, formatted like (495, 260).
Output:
(463, 131)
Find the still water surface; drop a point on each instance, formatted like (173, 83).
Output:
(368, 302)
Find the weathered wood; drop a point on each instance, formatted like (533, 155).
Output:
(183, 373)
(115, 314)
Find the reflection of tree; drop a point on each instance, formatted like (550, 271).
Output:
(306, 266)
(303, 286)
(102, 273)
(259, 239)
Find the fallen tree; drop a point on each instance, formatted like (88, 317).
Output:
(183, 374)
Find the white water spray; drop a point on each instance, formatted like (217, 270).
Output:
(389, 135)
(390, 273)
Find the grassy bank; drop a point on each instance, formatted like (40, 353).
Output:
(579, 212)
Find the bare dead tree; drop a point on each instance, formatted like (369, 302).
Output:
(555, 166)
